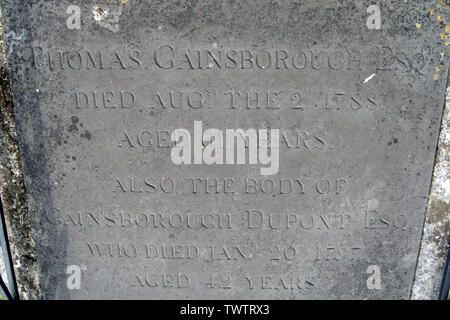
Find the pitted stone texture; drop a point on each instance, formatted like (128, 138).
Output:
(435, 238)
(359, 145)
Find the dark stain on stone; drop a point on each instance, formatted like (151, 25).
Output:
(86, 135)
(438, 211)
(394, 140)
(99, 11)
(73, 127)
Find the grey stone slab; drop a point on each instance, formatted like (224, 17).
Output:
(358, 109)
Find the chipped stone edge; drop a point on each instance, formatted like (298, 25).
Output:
(12, 190)
(435, 237)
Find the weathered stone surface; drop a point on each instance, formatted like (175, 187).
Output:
(435, 238)
(358, 110)
(13, 196)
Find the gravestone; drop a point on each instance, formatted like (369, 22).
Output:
(351, 94)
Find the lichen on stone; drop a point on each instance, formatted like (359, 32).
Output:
(12, 190)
